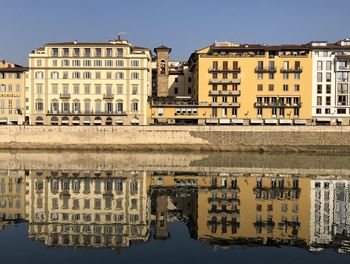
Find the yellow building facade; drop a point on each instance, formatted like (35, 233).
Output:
(12, 93)
(245, 84)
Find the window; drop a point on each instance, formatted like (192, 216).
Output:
(328, 88)
(87, 52)
(189, 90)
(215, 65)
(224, 99)
(39, 106)
(54, 89)
(18, 88)
(97, 63)
(328, 100)
(86, 89)
(65, 63)
(119, 75)
(119, 89)
(108, 75)
(87, 63)
(120, 52)
(318, 111)
(319, 65)
(97, 89)
(296, 87)
(259, 112)
(260, 87)
(328, 65)
(296, 111)
(328, 77)
(54, 75)
(98, 52)
(76, 89)
(271, 87)
(319, 100)
(285, 87)
(39, 75)
(76, 75)
(319, 77)
(65, 75)
(214, 112)
(108, 52)
(134, 106)
(135, 75)
(271, 75)
(285, 76)
(135, 63)
(76, 52)
(108, 63)
(97, 75)
(119, 63)
(215, 99)
(39, 88)
(55, 52)
(319, 88)
(87, 75)
(234, 111)
(76, 63)
(176, 90)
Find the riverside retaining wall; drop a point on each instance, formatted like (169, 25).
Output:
(220, 138)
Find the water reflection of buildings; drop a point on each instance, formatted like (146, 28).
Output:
(12, 195)
(116, 209)
(241, 209)
(88, 209)
(330, 214)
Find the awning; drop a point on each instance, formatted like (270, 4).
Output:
(256, 121)
(134, 120)
(65, 121)
(285, 121)
(76, 121)
(3, 120)
(86, 121)
(211, 121)
(119, 121)
(54, 121)
(162, 120)
(13, 119)
(323, 119)
(224, 121)
(39, 121)
(271, 121)
(299, 121)
(97, 121)
(237, 121)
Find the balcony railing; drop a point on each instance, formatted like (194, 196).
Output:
(277, 104)
(222, 92)
(215, 70)
(108, 96)
(86, 113)
(225, 81)
(65, 96)
(291, 70)
(265, 70)
(343, 68)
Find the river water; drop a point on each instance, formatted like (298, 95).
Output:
(97, 207)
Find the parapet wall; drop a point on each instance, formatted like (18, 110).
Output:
(220, 138)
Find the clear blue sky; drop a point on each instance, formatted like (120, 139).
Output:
(183, 25)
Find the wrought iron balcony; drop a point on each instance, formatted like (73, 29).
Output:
(277, 104)
(225, 93)
(265, 70)
(216, 70)
(65, 96)
(291, 70)
(225, 81)
(108, 96)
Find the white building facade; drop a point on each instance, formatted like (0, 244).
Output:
(330, 82)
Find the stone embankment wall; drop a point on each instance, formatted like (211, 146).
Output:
(158, 138)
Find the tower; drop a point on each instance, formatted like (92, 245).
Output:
(162, 70)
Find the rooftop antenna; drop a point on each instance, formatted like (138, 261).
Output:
(120, 35)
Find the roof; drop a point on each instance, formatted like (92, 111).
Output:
(162, 47)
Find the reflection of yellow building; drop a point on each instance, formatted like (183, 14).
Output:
(84, 208)
(236, 84)
(238, 208)
(12, 196)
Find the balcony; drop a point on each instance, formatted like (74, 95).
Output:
(265, 70)
(225, 81)
(343, 68)
(65, 96)
(277, 104)
(86, 113)
(108, 96)
(292, 70)
(225, 93)
(216, 70)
